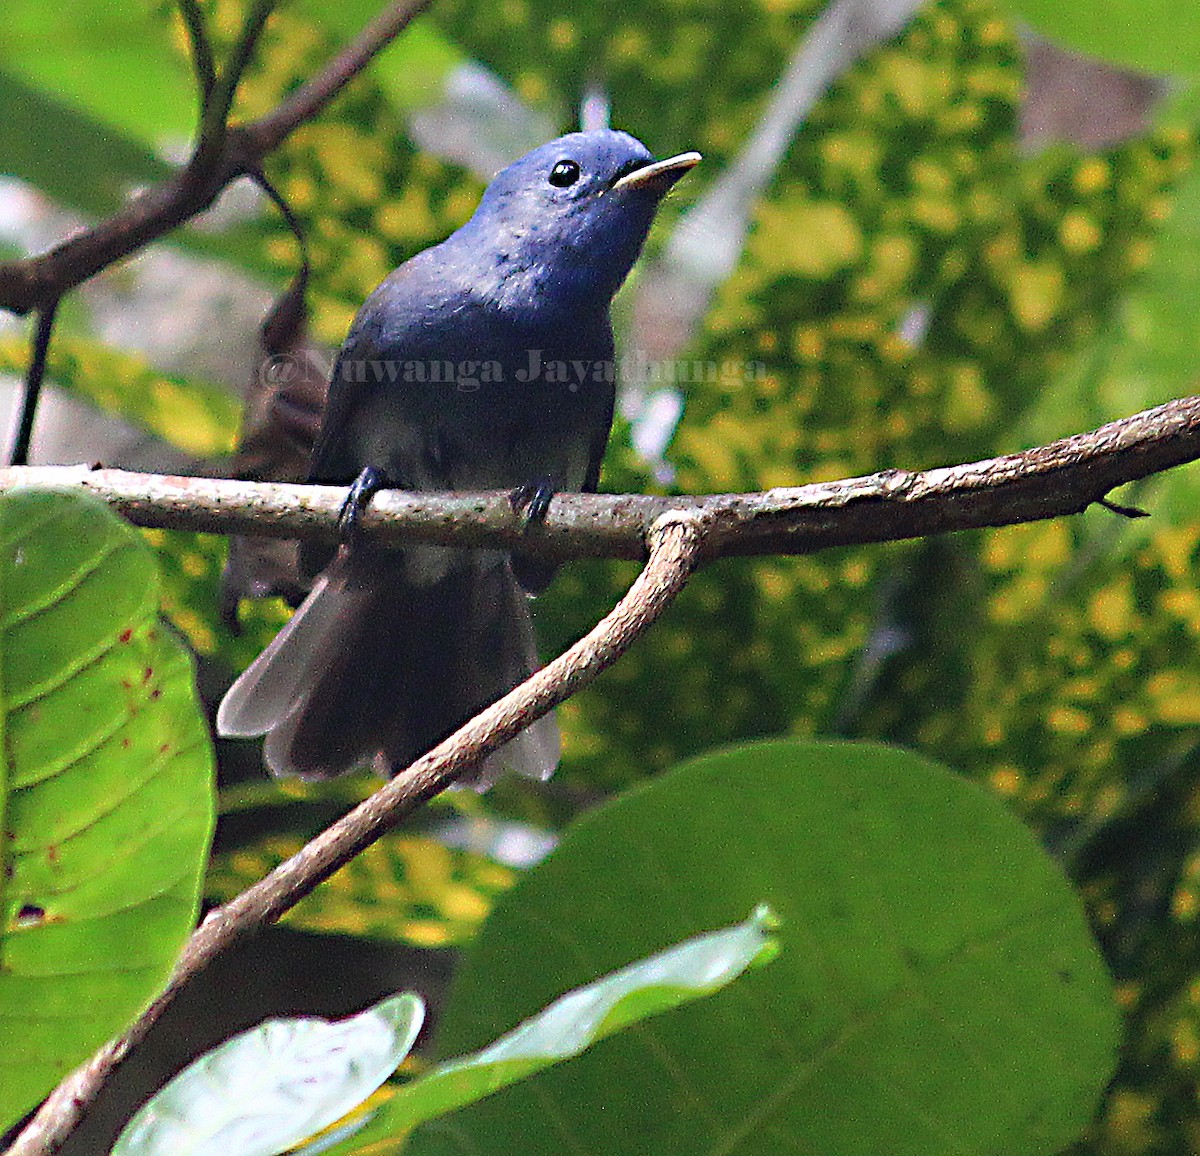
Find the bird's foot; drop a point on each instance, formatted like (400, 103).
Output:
(533, 501)
(361, 491)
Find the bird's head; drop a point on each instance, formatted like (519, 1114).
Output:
(569, 218)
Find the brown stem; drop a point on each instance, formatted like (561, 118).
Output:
(214, 123)
(34, 282)
(200, 49)
(675, 547)
(23, 439)
(308, 100)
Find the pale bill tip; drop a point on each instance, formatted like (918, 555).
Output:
(674, 166)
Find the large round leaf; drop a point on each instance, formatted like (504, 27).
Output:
(937, 990)
(105, 787)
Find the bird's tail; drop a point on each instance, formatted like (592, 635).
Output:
(376, 668)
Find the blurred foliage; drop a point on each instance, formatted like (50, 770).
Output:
(93, 168)
(679, 74)
(917, 290)
(190, 566)
(193, 416)
(405, 888)
(105, 66)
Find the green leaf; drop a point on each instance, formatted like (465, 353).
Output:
(112, 60)
(267, 1089)
(1128, 32)
(106, 795)
(938, 990)
(574, 1022)
(90, 167)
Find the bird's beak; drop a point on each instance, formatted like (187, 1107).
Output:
(659, 175)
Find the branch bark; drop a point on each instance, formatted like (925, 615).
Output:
(675, 542)
(1049, 481)
(36, 282)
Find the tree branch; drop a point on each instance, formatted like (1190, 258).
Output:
(1063, 477)
(309, 99)
(674, 541)
(214, 122)
(200, 49)
(31, 395)
(35, 282)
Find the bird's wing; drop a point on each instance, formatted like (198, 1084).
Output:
(401, 322)
(334, 459)
(602, 426)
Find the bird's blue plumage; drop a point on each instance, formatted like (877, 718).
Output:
(484, 362)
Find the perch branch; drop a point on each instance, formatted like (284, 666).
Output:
(1049, 481)
(34, 282)
(674, 553)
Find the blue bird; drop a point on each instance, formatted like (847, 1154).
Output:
(485, 362)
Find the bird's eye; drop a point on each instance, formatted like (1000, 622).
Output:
(564, 173)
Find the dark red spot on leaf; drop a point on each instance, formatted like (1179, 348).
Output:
(126, 634)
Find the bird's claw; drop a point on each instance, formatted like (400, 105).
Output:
(533, 501)
(361, 491)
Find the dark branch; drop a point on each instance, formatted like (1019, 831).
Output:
(215, 122)
(34, 282)
(308, 100)
(300, 280)
(1064, 477)
(200, 48)
(33, 385)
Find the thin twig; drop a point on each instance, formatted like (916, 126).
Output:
(33, 385)
(1063, 477)
(33, 282)
(309, 99)
(675, 546)
(220, 103)
(200, 47)
(293, 223)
